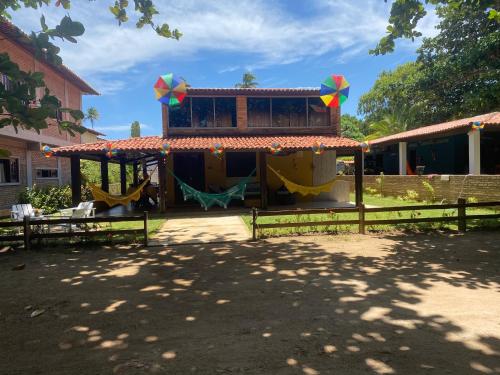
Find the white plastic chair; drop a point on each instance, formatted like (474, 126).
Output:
(19, 211)
(87, 207)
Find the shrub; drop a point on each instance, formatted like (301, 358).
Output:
(411, 195)
(472, 200)
(51, 199)
(430, 190)
(380, 183)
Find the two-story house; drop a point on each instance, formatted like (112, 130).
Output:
(246, 122)
(26, 166)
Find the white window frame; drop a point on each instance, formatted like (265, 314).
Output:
(18, 172)
(46, 178)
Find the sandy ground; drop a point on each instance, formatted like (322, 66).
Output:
(392, 304)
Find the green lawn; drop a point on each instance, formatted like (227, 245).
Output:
(371, 200)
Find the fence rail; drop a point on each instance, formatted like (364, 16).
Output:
(461, 217)
(37, 229)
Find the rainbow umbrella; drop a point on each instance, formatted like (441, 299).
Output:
(334, 91)
(170, 90)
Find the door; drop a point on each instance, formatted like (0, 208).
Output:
(190, 168)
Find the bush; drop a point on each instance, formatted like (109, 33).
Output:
(411, 195)
(430, 190)
(51, 199)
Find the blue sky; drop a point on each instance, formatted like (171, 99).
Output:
(289, 43)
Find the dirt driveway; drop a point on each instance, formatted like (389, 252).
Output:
(393, 304)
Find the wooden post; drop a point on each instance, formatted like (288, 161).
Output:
(263, 179)
(162, 182)
(462, 214)
(146, 235)
(104, 174)
(27, 233)
(76, 180)
(136, 174)
(254, 224)
(123, 177)
(362, 218)
(358, 176)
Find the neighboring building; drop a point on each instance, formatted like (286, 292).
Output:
(449, 148)
(91, 136)
(246, 122)
(26, 165)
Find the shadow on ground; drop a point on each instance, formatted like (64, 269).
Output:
(393, 304)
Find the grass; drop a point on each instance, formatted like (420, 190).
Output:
(371, 200)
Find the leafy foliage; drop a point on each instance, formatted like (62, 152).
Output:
(352, 127)
(91, 172)
(390, 124)
(248, 81)
(50, 199)
(135, 129)
(92, 115)
(405, 15)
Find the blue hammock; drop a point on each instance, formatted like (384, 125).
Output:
(207, 200)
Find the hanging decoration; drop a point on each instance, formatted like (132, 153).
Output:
(165, 149)
(110, 150)
(217, 150)
(170, 90)
(477, 126)
(365, 146)
(334, 91)
(47, 151)
(318, 148)
(276, 148)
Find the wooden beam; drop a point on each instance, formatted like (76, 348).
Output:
(136, 173)
(123, 177)
(104, 174)
(358, 177)
(76, 180)
(162, 182)
(263, 179)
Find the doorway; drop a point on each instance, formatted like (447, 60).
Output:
(190, 168)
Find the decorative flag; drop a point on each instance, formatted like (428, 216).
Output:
(217, 150)
(165, 149)
(110, 150)
(477, 125)
(318, 148)
(334, 91)
(170, 89)
(47, 151)
(275, 148)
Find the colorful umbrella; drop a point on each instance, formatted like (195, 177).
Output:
(165, 149)
(318, 148)
(47, 151)
(334, 91)
(365, 146)
(477, 125)
(170, 89)
(217, 150)
(276, 148)
(110, 150)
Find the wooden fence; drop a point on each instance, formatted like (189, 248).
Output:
(460, 218)
(37, 229)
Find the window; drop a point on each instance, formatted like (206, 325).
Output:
(289, 112)
(259, 112)
(240, 164)
(225, 112)
(47, 173)
(180, 116)
(9, 171)
(203, 112)
(318, 113)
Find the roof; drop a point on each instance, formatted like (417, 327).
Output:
(201, 143)
(93, 131)
(254, 91)
(18, 36)
(445, 127)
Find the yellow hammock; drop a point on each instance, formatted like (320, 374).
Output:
(305, 190)
(112, 200)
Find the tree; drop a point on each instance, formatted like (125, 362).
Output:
(92, 115)
(405, 15)
(248, 81)
(390, 124)
(352, 127)
(18, 101)
(135, 129)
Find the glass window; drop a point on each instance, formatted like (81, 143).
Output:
(318, 113)
(9, 171)
(203, 112)
(289, 112)
(47, 173)
(259, 112)
(225, 112)
(240, 164)
(180, 116)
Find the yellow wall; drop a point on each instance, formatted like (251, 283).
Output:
(298, 167)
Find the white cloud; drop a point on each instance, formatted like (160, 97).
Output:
(265, 31)
(119, 128)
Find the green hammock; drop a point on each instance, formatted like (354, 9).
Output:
(207, 200)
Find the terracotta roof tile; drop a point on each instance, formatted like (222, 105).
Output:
(257, 91)
(488, 119)
(230, 143)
